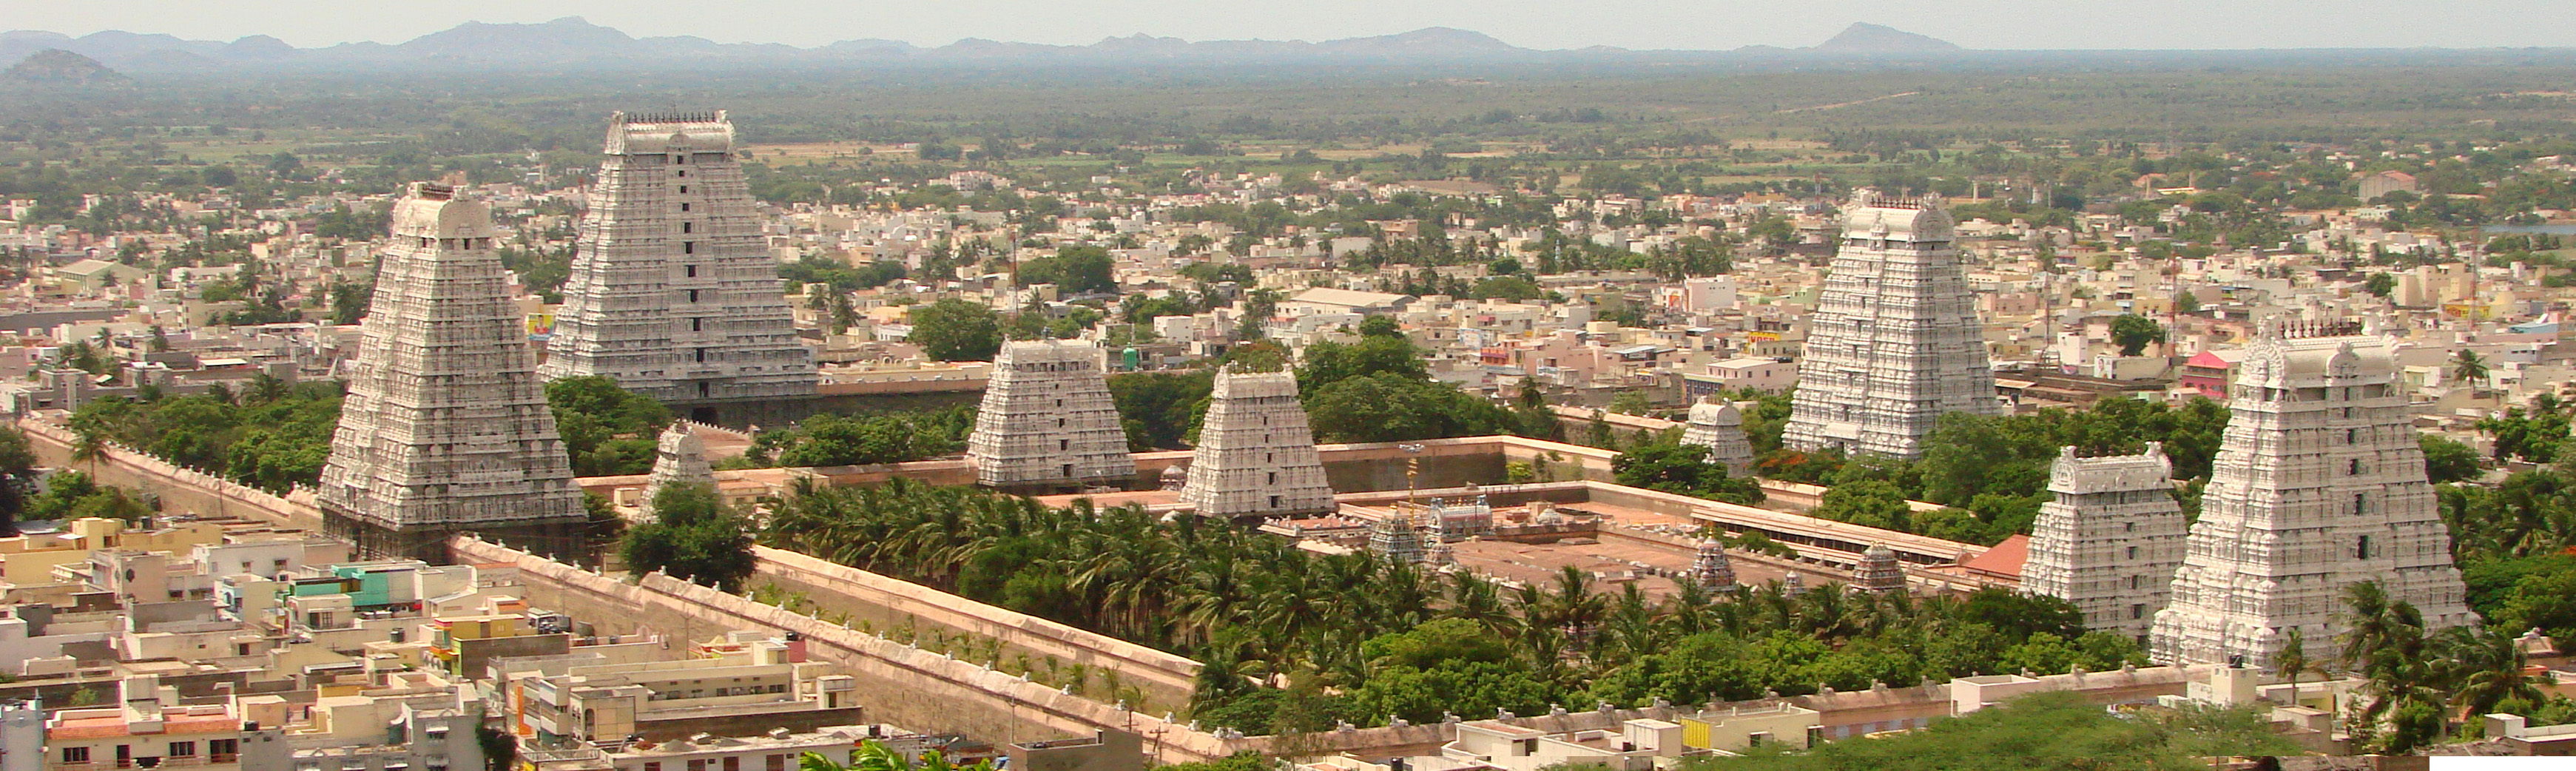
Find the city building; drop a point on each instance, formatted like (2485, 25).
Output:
(674, 292)
(1719, 426)
(1047, 422)
(2318, 485)
(446, 427)
(1895, 341)
(1256, 455)
(2109, 539)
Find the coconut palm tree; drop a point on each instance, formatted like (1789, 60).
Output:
(2468, 367)
(875, 756)
(2483, 668)
(2291, 660)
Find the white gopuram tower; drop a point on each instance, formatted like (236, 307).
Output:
(1719, 426)
(679, 458)
(1393, 537)
(1047, 422)
(673, 291)
(2110, 539)
(1894, 342)
(1711, 568)
(445, 427)
(1256, 453)
(2319, 485)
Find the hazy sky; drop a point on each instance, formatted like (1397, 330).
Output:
(1704, 24)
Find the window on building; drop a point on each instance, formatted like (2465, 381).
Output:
(1064, 445)
(2128, 527)
(688, 247)
(2361, 549)
(1274, 501)
(2352, 436)
(75, 754)
(183, 749)
(684, 189)
(777, 763)
(1274, 477)
(693, 295)
(697, 764)
(2138, 610)
(653, 765)
(2360, 503)
(733, 763)
(1067, 471)
(2354, 467)
(690, 271)
(2133, 552)
(698, 325)
(223, 750)
(684, 206)
(2133, 582)
(688, 227)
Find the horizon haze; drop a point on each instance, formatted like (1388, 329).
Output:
(1719, 25)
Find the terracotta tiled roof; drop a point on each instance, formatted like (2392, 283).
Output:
(88, 728)
(2004, 560)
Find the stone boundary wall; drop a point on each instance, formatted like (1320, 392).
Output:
(1166, 681)
(182, 490)
(899, 684)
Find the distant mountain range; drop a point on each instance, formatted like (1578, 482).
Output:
(573, 43)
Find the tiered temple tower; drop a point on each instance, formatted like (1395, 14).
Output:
(1711, 568)
(1719, 426)
(1878, 570)
(680, 458)
(1047, 422)
(673, 291)
(1394, 537)
(1894, 342)
(445, 427)
(2319, 485)
(2110, 539)
(1256, 453)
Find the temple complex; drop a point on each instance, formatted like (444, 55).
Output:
(1047, 422)
(2319, 485)
(1256, 454)
(1878, 570)
(1712, 569)
(1894, 342)
(2110, 538)
(1393, 537)
(673, 291)
(445, 427)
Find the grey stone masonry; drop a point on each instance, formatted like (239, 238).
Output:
(1719, 426)
(1047, 420)
(1894, 342)
(679, 458)
(445, 427)
(2318, 485)
(1256, 453)
(2110, 538)
(673, 291)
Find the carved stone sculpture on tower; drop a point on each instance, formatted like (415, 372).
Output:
(678, 459)
(2109, 540)
(1878, 570)
(1711, 568)
(1256, 453)
(673, 290)
(1393, 537)
(1047, 422)
(445, 427)
(2319, 485)
(1894, 342)
(1719, 426)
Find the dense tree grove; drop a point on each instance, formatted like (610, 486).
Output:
(884, 437)
(1362, 639)
(693, 536)
(1377, 389)
(956, 330)
(270, 435)
(2051, 731)
(608, 430)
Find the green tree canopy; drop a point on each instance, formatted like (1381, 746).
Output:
(607, 429)
(2133, 333)
(693, 536)
(956, 330)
